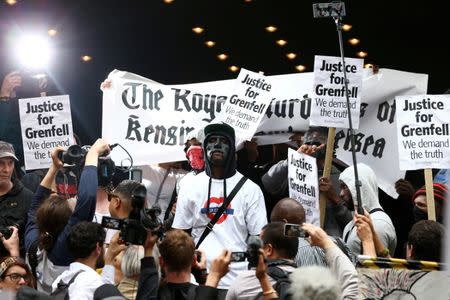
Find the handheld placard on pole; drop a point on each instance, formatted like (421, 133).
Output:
(323, 198)
(430, 195)
(336, 10)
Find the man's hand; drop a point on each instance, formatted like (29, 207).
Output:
(404, 188)
(326, 186)
(106, 84)
(318, 237)
(362, 228)
(219, 268)
(365, 218)
(11, 81)
(12, 244)
(114, 249)
(56, 162)
(150, 243)
(310, 149)
(261, 268)
(100, 147)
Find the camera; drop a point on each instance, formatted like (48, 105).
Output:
(294, 230)
(75, 156)
(6, 232)
(254, 243)
(133, 230)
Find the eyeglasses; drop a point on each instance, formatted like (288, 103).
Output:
(111, 195)
(16, 277)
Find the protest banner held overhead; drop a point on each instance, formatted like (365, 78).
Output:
(423, 131)
(46, 122)
(152, 120)
(303, 184)
(247, 106)
(329, 105)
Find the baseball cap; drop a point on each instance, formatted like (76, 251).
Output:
(7, 150)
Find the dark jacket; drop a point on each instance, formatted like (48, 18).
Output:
(149, 289)
(14, 207)
(84, 211)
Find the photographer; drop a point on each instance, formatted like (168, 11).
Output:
(15, 199)
(50, 218)
(279, 251)
(176, 260)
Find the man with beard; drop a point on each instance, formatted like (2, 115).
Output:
(85, 243)
(200, 198)
(381, 223)
(15, 199)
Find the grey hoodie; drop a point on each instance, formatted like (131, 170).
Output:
(369, 199)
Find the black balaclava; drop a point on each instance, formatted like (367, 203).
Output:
(229, 165)
(226, 131)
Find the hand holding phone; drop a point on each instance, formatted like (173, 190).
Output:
(294, 230)
(238, 256)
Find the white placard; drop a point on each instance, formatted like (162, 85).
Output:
(247, 106)
(303, 184)
(329, 105)
(423, 131)
(46, 122)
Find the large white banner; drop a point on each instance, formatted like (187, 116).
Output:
(423, 131)
(152, 120)
(46, 122)
(303, 184)
(329, 105)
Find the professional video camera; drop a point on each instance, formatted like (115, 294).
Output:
(133, 230)
(254, 243)
(75, 155)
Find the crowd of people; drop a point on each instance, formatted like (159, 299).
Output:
(210, 229)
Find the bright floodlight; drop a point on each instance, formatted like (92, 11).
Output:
(33, 51)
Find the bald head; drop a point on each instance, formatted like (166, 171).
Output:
(288, 210)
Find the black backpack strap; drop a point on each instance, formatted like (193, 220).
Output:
(62, 284)
(348, 233)
(276, 273)
(282, 281)
(375, 210)
(220, 211)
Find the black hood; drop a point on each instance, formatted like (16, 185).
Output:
(227, 132)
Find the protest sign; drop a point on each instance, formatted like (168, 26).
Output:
(303, 184)
(145, 133)
(329, 105)
(46, 122)
(423, 131)
(247, 106)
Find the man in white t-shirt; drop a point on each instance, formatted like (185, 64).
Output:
(200, 198)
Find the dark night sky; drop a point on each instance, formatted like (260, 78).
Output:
(155, 40)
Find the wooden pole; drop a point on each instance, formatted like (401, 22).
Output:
(326, 173)
(430, 195)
